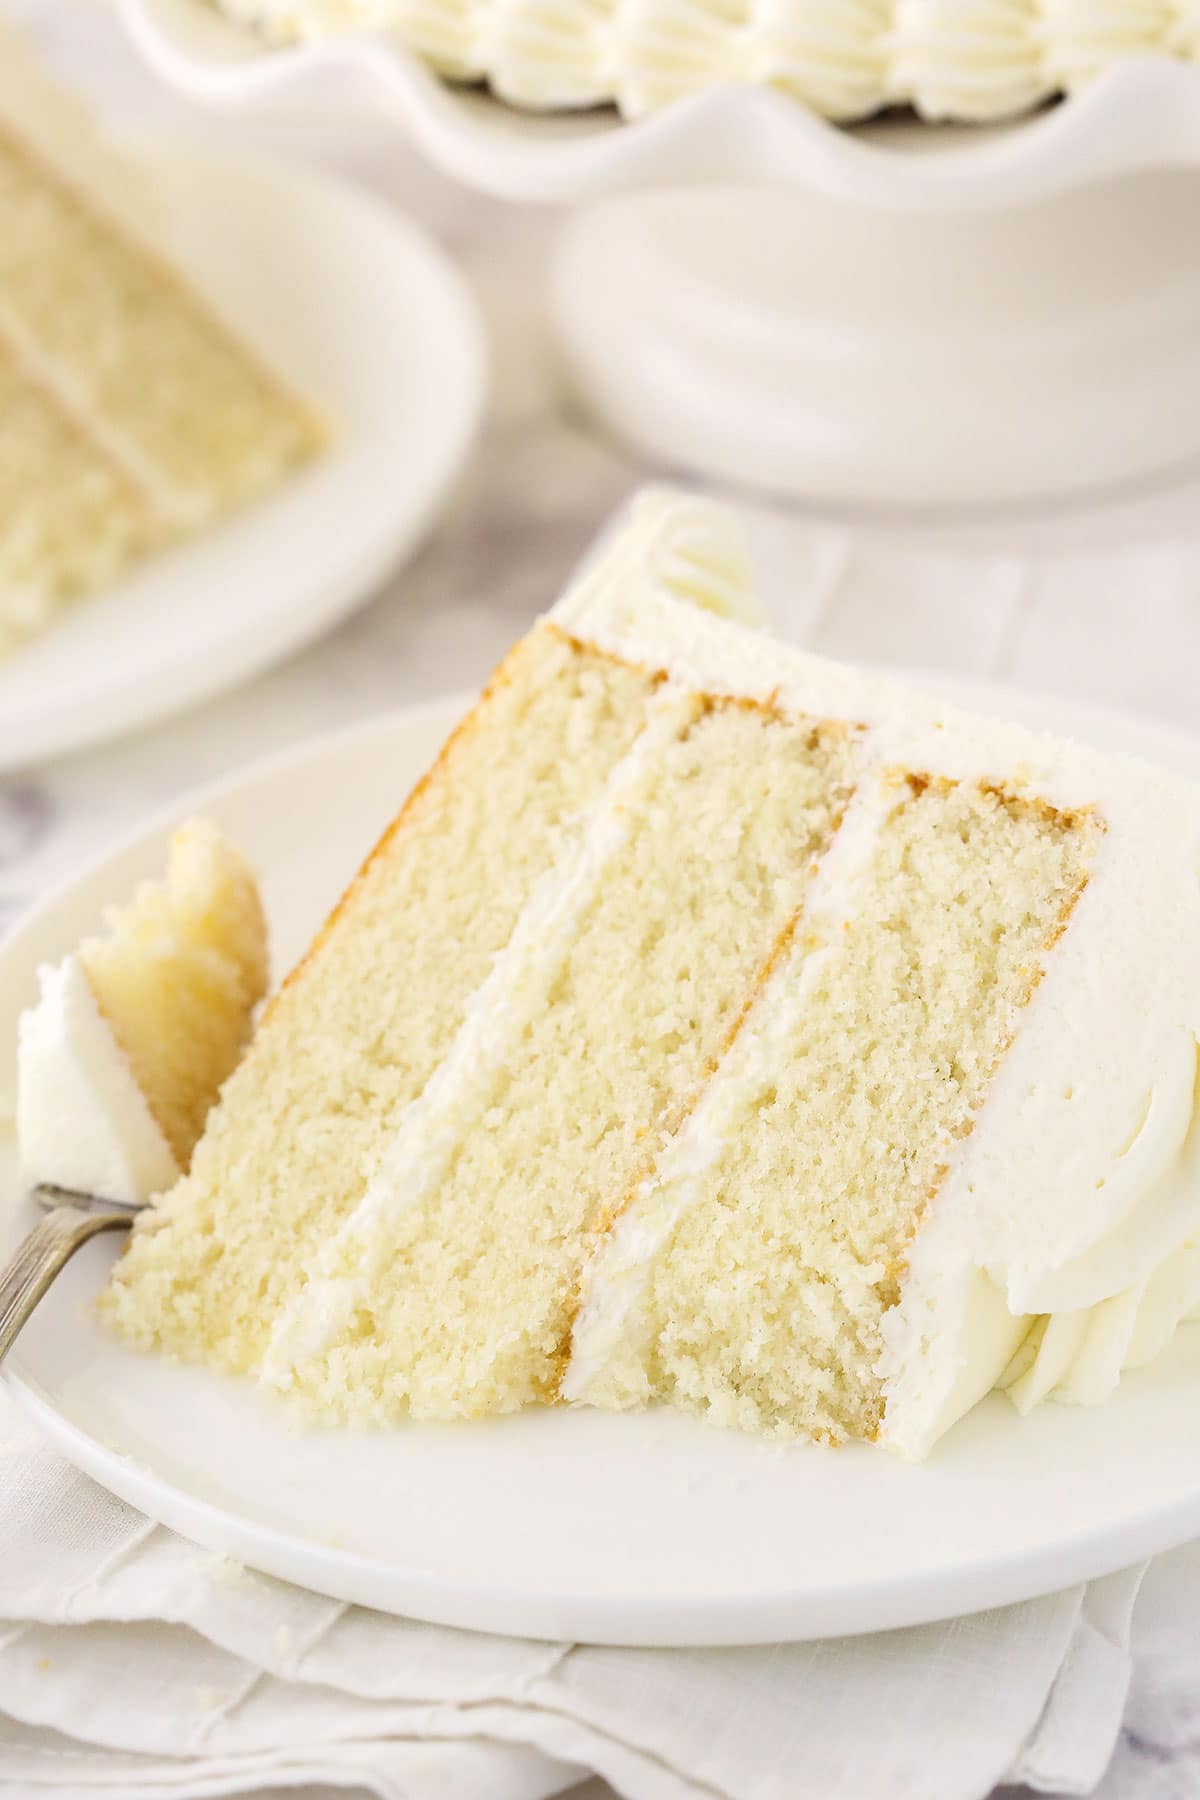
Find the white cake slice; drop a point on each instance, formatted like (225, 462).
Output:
(130, 413)
(715, 1027)
(134, 355)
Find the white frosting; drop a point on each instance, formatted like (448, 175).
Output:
(1078, 1193)
(960, 59)
(834, 55)
(983, 60)
(541, 53)
(82, 1120)
(667, 542)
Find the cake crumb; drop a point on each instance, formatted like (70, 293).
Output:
(225, 1569)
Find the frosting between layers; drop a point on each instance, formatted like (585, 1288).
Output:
(845, 59)
(1077, 1195)
(82, 1119)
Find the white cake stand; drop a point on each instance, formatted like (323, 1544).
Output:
(900, 315)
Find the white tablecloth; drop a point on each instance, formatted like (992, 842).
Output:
(131, 1659)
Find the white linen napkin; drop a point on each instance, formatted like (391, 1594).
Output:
(136, 1664)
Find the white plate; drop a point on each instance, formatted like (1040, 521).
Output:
(368, 318)
(1140, 115)
(650, 1529)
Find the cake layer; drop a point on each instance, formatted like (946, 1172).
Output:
(750, 1274)
(361, 1025)
(450, 1293)
(138, 361)
(70, 518)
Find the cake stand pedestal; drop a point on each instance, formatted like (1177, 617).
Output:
(907, 316)
(785, 341)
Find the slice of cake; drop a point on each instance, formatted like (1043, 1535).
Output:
(715, 1027)
(129, 413)
(134, 355)
(124, 1054)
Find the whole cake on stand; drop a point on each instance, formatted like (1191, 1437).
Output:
(908, 313)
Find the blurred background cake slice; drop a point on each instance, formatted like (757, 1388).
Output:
(130, 412)
(70, 517)
(138, 359)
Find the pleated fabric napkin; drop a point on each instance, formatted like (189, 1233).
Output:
(133, 1663)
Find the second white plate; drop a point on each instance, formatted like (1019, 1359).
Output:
(367, 318)
(637, 1529)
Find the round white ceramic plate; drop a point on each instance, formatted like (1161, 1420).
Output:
(639, 1529)
(1141, 115)
(367, 318)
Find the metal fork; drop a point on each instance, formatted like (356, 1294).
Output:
(71, 1219)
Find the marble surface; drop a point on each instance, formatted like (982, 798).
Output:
(1101, 601)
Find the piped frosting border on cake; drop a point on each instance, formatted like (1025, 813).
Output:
(844, 59)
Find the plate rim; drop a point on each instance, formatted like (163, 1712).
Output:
(621, 1620)
(265, 642)
(749, 1618)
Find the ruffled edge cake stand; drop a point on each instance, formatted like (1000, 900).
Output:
(901, 315)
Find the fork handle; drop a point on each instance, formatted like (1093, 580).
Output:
(51, 1244)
